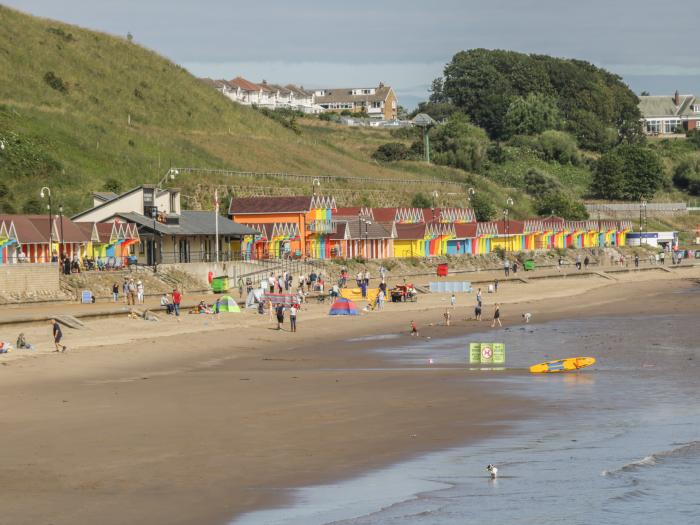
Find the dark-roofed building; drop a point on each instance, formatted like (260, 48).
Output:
(168, 233)
(378, 102)
(357, 235)
(665, 115)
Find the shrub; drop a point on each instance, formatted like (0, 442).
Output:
(686, 176)
(694, 137)
(391, 151)
(328, 116)
(496, 153)
(483, 208)
(559, 204)
(55, 82)
(558, 146)
(538, 183)
(628, 172)
(457, 143)
(32, 205)
(66, 37)
(420, 200)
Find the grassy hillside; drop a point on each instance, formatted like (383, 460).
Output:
(81, 111)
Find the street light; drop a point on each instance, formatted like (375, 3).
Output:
(644, 206)
(434, 195)
(170, 174)
(154, 214)
(509, 204)
(60, 246)
(46, 193)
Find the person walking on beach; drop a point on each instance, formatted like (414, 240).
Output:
(586, 262)
(139, 291)
(115, 292)
(177, 299)
(453, 301)
(380, 299)
(636, 260)
(478, 297)
(414, 329)
(366, 277)
(125, 290)
(662, 257)
(57, 336)
(506, 267)
(279, 311)
(447, 316)
(495, 286)
(515, 267)
(496, 315)
(293, 317)
(477, 311)
(578, 261)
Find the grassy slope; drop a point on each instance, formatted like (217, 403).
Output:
(82, 137)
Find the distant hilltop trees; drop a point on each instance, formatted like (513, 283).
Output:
(508, 93)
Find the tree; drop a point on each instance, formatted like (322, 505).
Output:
(420, 200)
(694, 137)
(644, 94)
(628, 172)
(532, 114)
(391, 151)
(483, 208)
(561, 205)
(437, 94)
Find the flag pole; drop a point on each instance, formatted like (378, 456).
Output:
(216, 221)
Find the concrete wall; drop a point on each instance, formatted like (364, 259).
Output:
(28, 279)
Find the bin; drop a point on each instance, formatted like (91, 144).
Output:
(442, 270)
(219, 284)
(529, 265)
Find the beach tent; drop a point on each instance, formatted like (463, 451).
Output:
(254, 297)
(228, 304)
(343, 307)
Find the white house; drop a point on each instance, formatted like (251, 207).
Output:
(663, 115)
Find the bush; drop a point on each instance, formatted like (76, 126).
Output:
(561, 205)
(496, 153)
(531, 115)
(457, 143)
(420, 200)
(686, 176)
(328, 116)
(559, 147)
(391, 151)
(33, 206)
(694, 137)
(538, 183)
(55, 82)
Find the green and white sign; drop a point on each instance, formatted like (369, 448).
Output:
(487, 353)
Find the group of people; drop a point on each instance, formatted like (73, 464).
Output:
(280, 309)
(132, 291)
(171, 303)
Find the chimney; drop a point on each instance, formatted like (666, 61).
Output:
(264, 82)
(381, 84)
(677, 99)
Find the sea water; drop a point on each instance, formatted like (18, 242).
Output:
(618, 443)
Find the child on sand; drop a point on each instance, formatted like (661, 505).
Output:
(414, 329)
(453, 300)
(527, 316)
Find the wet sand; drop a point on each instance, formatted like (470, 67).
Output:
(134, 425)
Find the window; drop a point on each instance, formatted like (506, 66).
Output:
(653, 126)
(376, 105)
(670, 126)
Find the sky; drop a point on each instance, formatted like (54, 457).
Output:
(403, 43)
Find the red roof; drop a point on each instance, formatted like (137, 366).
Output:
(410, 231)
(513, 227)
(245, 85)
(384, 214)
(250, 205)
(465, 230)
(28, 230)
(352, 211)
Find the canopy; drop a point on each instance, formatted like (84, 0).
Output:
(255, 296)
(228, 304)
(343, 307)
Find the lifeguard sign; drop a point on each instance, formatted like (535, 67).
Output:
(487, 353)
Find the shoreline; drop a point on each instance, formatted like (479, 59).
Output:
(206, 432)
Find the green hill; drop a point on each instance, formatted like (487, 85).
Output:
(82, 111)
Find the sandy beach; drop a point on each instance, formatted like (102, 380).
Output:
(199, 421)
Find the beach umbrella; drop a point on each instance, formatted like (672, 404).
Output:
(343, 307)
(228, 304)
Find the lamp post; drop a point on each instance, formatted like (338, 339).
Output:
(644, 206)
(60, 246)
(154, 214)
(46, 193)
(509, 204)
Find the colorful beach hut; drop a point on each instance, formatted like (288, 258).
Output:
(343, 307)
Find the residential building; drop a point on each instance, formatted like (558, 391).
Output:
(169, 234)
(378, 102)
(270, 96)
(664, 115)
